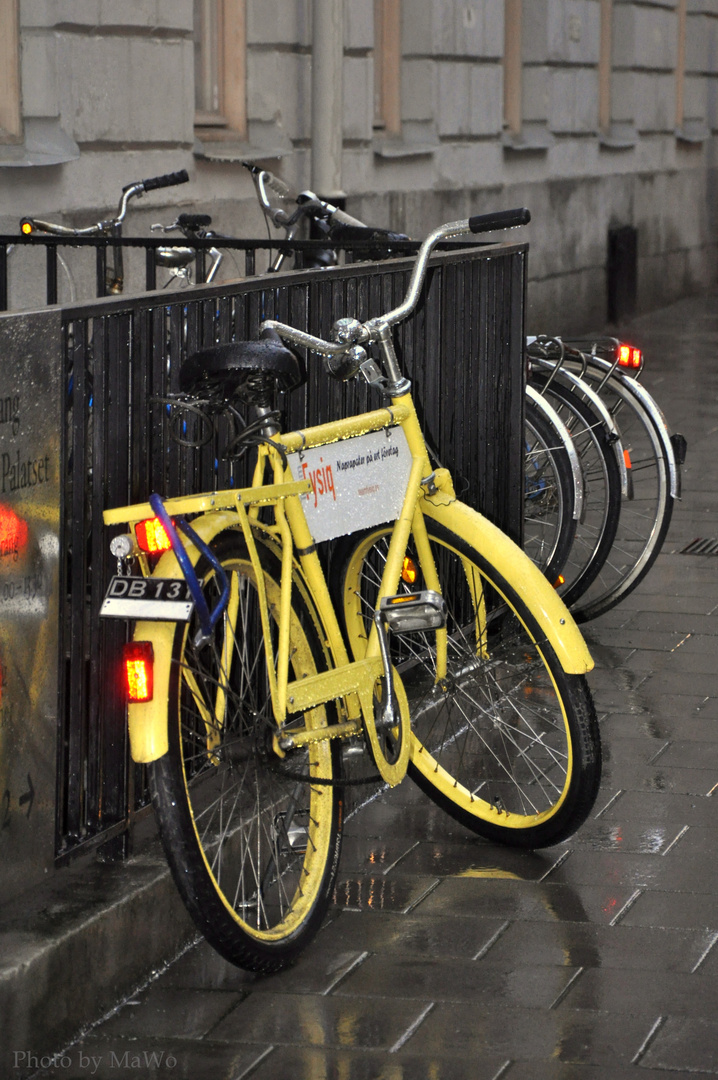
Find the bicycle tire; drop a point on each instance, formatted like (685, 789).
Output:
(253, 849)
(508, 742)
(549, 495)
(597, 529)
(645, 513)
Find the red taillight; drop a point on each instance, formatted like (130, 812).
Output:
(13, 533)
(629, 356)
(138, 658)
(152, 536)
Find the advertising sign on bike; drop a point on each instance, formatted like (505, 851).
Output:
(356, 483)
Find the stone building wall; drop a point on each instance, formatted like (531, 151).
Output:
(108, 86)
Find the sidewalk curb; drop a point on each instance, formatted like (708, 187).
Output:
(71, 950)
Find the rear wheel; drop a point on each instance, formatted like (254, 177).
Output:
(596, 530)
(252, 837)
(504, 740)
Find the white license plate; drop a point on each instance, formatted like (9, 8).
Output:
(148, 598)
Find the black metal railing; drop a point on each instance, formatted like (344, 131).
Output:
(462, 348)
(153, 275)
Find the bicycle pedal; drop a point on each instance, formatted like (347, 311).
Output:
(408, 612)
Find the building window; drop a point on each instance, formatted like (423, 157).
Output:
(387, 66)
(512, 67)
(10, 114)
(220, 43)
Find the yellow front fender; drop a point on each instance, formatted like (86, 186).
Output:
(551, 614)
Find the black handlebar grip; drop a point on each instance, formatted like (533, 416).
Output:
(341, 232)
(169, 180)
(502, 219)
(194, 221)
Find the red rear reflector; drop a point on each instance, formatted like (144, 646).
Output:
(138, 658)
(151, 536)
(13, 533)
(409, 571)
(630, 357)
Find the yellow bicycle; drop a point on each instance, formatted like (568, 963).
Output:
(435, 645)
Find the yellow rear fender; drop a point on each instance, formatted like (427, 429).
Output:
(551, 614)
(147, 722)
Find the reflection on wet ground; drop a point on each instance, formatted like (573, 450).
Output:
(447, 958)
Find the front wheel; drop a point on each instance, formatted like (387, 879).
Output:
(252, 837)
(503, 738)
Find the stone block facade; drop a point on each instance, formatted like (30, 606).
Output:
(118, 82)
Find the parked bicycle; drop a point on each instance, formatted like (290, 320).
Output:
(637, 511)
(468, 672)
(114, 276)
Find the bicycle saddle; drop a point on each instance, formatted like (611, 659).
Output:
(245, 369)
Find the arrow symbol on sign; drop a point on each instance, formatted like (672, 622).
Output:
(28, 797)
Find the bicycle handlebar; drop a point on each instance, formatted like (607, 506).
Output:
(168, 180)
(502, 219)
(29, 225)
(373, 329)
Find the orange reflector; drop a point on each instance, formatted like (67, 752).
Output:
(409, 570)
(26, 227)
(630, 357)
(138, 657)
(627, 458)
(560, 580)
(151, 536)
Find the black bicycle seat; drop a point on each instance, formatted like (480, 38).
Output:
(239, 368)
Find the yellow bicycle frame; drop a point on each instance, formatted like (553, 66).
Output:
(352, 682)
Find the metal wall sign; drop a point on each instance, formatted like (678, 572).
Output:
(30, 472)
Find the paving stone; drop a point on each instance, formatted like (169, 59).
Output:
(301, 1063)
(459, 980)
(556, 1070)
(577, 1036)
(691, 910)
(475, 858)
(160, 1059)
(576, 944)
(414, 935)
(379, 893)
(640, 777)
(176, 1014)
(685, 1046)
(526, 900)
(637, 838)
(640, 992)
(315, 972)
(311, 1020)
(663, 808)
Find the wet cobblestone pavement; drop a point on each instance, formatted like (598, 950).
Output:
(448, 958)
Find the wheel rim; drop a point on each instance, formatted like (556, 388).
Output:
(264, 834)
(644, 515)
(492, 736)
(545, 506)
